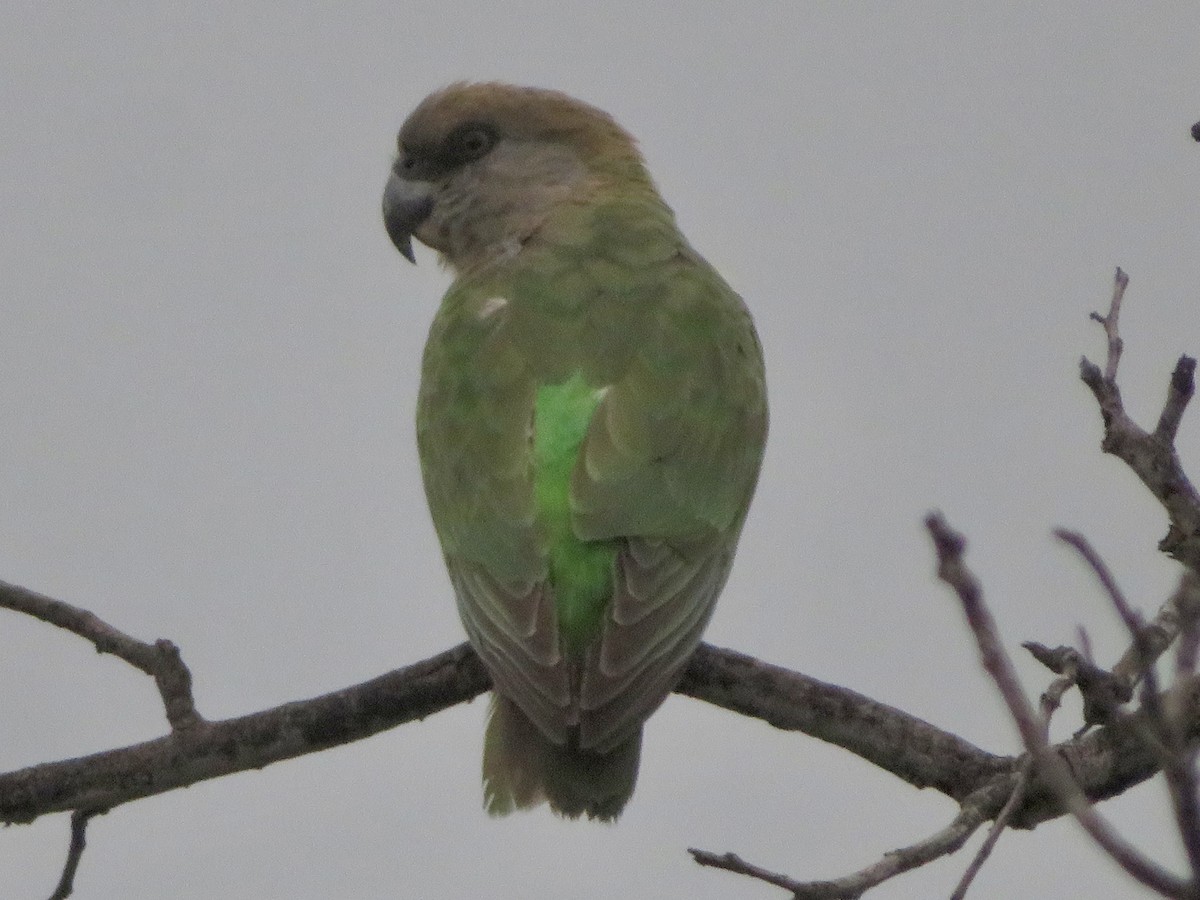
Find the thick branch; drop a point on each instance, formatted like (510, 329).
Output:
(1107, 761)
(212, 749)
(908, 747)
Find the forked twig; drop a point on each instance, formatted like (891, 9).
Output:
(1110, 323)
(1015, 799)
(160, 660)
(1049, 766)
(1151, 455)
(972, 813)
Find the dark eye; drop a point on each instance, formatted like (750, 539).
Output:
(470, 142)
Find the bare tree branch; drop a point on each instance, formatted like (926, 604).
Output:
(160, 660)
(212, 749)
(1103, 692)
(79, 823)
(1160, 632)
(973, 812)
(1131, 619)
(1143, 650)
(908, 747)
(1151, 456)
(1186, 605)
(1049, 765)
(1109, 761)
(1164, 736)
(1109, 321)
(731, 862)
(1183, 386)
(1015, 799)
(1106, 762)
(1183, 783)
(1045, 783)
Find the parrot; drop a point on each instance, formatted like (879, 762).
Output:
(591, 422)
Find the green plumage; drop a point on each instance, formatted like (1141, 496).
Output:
(581, 571)
(601, 388)
(591, 422)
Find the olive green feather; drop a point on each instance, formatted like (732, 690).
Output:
(591, 422)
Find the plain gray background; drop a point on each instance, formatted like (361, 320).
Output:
(209, 357)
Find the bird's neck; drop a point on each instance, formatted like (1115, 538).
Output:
(568, 212)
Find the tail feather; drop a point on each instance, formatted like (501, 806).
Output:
(522, 769)
(512, 775)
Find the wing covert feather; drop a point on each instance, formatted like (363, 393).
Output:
(669, 463)
(667, 466)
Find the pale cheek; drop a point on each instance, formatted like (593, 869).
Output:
(433, 235)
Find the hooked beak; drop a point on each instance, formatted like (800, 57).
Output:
(406, 204)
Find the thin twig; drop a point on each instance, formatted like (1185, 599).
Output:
(1015, 799)
(731, 862)
(1144, 653)
(951, 569)
(1180, 774)
(87, 625)
(1157, 635)
(1102, 692)
(1050, 767)
(79, 823)
(1183, 386)
(1051, 698)
(1109, 321)
(1085, 644)
(160, 660)
(1068, 662)
(1081, 544)
(1166, 738)
(1152, 457)
(1186, 601)
(973, 812)
(1178, 757)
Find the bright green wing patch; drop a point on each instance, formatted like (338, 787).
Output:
(581, 572)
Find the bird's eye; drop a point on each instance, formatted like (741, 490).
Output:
(470, 142)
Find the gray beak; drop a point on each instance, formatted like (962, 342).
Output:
(406, 204)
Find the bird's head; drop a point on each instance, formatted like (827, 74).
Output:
(482, 168)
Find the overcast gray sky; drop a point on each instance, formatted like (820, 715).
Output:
(209, 358)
